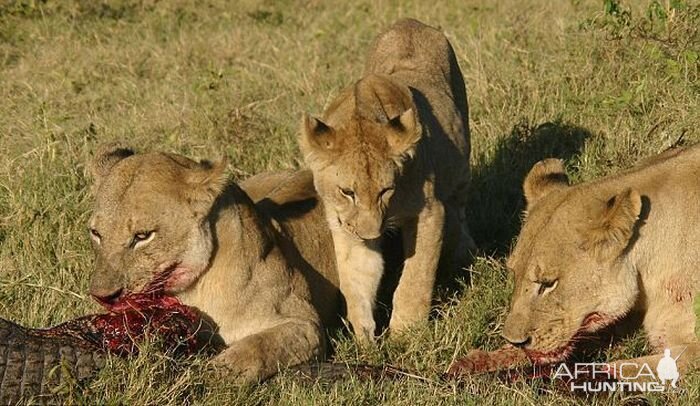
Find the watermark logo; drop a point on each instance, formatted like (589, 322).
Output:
(667, 369)
(594, 377)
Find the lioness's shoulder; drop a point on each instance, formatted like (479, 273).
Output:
(280, 187)
(673, 153)
(678, 162)
(283, 194)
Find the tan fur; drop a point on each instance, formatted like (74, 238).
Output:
(392, 150)
(263, 275)
(590, 254)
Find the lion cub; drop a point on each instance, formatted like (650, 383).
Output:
(261, 273)
(392, 150)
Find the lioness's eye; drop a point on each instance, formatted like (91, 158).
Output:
(347, 193)
(547, 286)
(141, 238)
(95, 235)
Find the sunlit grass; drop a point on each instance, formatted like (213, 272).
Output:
(212, 77)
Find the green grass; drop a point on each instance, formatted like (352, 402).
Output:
(206, 78)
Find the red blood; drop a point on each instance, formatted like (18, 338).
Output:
(478, 362)
(133, 318)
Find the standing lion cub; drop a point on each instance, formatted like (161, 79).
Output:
(392, 150)
(263, 273)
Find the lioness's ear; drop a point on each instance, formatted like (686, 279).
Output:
(208, 180)
(544, 177)
(612, 227)
(405, 134)
(106, 156)
(316, 137)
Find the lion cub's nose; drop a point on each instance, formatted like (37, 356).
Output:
(107, 297)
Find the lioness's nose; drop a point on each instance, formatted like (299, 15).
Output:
(106, 297)
(518, 341)
(515, 331)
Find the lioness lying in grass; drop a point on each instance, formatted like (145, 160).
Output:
(264, 273)
(590, 254)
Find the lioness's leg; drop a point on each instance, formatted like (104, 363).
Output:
(422, 238)
(260, 355)
(360, 268)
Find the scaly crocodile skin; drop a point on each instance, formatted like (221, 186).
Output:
(33, 362)
(33, 365)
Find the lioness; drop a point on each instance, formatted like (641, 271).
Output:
(590, 254)
(263, 274)
(392, 150)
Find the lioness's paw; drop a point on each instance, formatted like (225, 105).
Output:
(240, 366)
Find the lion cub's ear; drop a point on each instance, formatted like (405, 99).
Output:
(405, 132)
(316, 138)
(207, 180)
(612, 228)
(105, 158)
(544, 177)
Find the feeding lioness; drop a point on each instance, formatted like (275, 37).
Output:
(590, 254)
(263, 274)
(392, 150)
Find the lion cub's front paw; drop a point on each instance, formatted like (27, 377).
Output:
(403, 320)
(363, 329)
(365, 337)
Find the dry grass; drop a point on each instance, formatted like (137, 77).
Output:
(206, 78)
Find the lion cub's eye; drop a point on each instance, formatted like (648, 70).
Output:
(547, 286)
(386, 193)
(95, 235)
(347, 193)
(142, 238)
